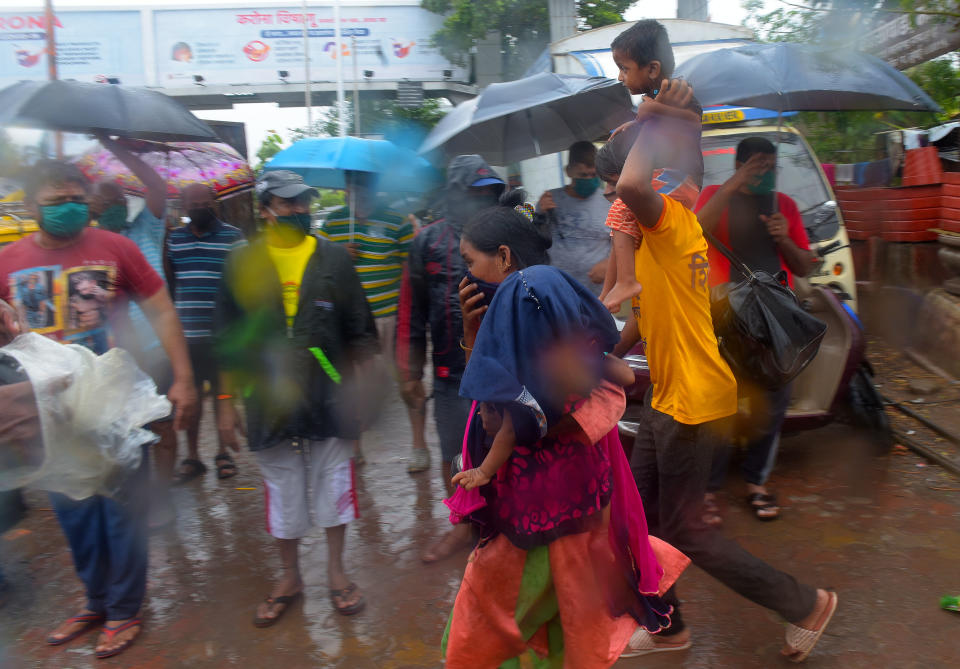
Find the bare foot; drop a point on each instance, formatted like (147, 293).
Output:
(110, 644)
(458, 538)
(288, 586)
(620, 293)
(69, 626)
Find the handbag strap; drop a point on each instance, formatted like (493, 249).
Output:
(730, 255)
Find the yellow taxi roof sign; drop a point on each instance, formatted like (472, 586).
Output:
(723, 116)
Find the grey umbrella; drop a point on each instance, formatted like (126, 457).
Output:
(74, 106)
(787, 76)
(536, 115)
(797, 77)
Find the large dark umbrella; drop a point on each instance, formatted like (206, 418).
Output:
(74, 106)
(536, 115)
(797, 77)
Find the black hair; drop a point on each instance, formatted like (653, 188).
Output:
(52, 172)
(613, 155)
(646, 41)
(583, 153)
(753, 145)
(503, 225)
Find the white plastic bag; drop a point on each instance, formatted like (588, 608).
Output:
(92, 411)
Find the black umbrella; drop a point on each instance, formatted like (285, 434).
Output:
(797, 77)
(787, 76)
(74, 106)
(541, 114)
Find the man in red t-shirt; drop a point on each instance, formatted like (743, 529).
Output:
(72, 283)
(764, 228)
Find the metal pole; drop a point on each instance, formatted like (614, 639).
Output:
(50, 21)
(341, 106)
(307, 97)
(356, 88)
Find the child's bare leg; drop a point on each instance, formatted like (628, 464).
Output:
(626, 286)
(610, 278)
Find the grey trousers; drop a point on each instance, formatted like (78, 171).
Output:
(671, 464)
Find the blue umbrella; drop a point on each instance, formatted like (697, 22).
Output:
(323, 161)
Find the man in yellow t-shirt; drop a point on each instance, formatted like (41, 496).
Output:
(693, 395)
(293, 330)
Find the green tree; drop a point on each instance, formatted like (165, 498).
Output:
(401, 125)
(271, 146)
(524, 26)
(11, 158)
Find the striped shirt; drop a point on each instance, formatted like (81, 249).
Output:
(196, 264)
(383, 241)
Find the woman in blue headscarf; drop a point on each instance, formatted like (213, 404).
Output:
(564, 572)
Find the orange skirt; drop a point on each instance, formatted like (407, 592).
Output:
(539, 608)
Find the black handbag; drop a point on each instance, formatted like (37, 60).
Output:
(764, 334)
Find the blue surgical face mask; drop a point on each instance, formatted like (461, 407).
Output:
(488, 289)
(298, 220)
(64, 220)
(766, 184)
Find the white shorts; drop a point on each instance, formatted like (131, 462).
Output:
(313, 478)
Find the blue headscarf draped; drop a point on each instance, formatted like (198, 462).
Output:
(531, 309)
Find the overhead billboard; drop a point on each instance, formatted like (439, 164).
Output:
(91, 46)
(252, 46)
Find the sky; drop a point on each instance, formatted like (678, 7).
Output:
(260, 119)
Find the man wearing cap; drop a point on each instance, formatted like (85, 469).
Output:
(429, 300)
(292, 328)
(195, 255)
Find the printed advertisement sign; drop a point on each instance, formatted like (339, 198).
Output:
(91, 46)
(250, 46)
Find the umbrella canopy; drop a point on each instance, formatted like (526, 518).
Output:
(536, 115)
(798, 77)
(322, 162)
(179, 163)
(74, 106)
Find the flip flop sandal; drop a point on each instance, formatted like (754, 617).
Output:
(802, 640)
(285, 600)
(351, 610)
(114, 631)
(764, 507)
(197, 469)
(91, 620)
(224, 463)
(642, 643)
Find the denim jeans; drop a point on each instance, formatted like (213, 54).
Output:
(108, 542)
(768, 408)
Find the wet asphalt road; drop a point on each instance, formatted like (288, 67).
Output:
(878, 530)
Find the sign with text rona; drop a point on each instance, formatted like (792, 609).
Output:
(251, 46)
(91, 46)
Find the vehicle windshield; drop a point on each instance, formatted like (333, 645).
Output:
(797, 177)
